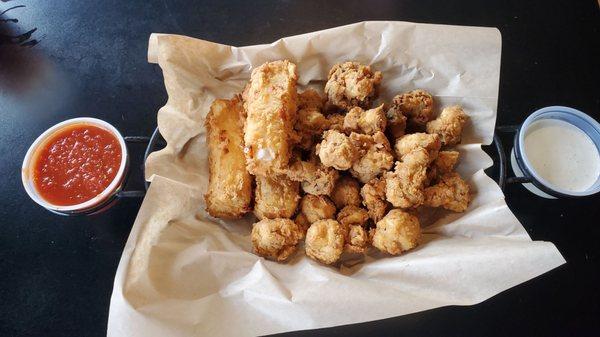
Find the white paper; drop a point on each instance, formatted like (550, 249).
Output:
(183, 273)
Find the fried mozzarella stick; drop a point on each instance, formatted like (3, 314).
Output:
(229, 184)
(276, 197)
(270, 101)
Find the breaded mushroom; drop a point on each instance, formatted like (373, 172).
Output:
(408, 143)
(352, 84)
(452, 193)
(275, 238)
(353, 216)
(314, 177)
(404, 186)
(310, 122)
(317, 207)
(336, 122)
(446, 161)
(365, 121)
(302, 223)
(346, 192)
(337, 150)
(449, 125)
(309, 126)
(373, 195)
(376, 156)
(357, 239)
(325, 241)
(397, 232)
(396, 123)
(416, 106)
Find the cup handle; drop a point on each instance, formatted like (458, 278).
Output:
(518, 180)
(134, 193)
(503, 177)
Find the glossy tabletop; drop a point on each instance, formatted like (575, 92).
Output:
(88, 58)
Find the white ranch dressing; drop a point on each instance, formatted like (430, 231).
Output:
(562, 154)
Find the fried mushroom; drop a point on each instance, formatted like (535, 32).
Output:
(452, 193)
(416, 106)
(373, 195)
(317, 207)
(352, 84)
(396, 123)
(404, 186)
(368, 122)
(325, 241)
(376, 156)
(408, 143)
(275, 238)
(449, 125)
(346, 192)
(397, 232)
(353, 216)
(357, 240)
(337, 150)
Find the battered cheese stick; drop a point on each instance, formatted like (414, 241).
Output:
(229, 184)
(276, 197)
(270, 102)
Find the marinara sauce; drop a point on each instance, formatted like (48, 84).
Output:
(75, 164)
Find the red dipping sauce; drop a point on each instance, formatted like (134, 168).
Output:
(75, 164)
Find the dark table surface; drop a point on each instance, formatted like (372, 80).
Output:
(89, 59)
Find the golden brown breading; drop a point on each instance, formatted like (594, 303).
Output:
(336, 122)
(304, 140)
(368, 122)
(432, 175)
(310, 99)
(353, 216)
(346, 192)
(449, 125)
(310, 122)
(357, 240)
(229, 184)
(276, 197)
(314, 177)
(443, 164)
(452, 193)
(416, 106)
(352, 84)
(323, 182)
(408, 143)
(404, 186)
(373, 195)
(275, 238)
(325, 241)
(309, 126)
(302, 223)
(446, 161)
(270, 102)
(396, 123)
(337, 150)
(351, 120)
(376, 156)
(317, 207)
(397, 232)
